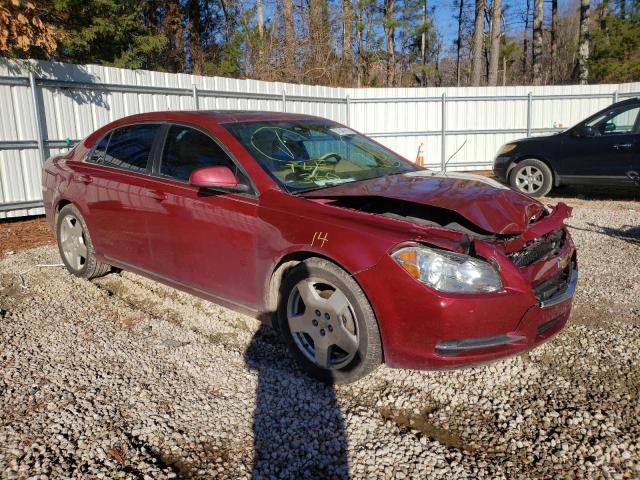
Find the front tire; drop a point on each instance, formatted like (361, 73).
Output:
(75, 245)
(328, 323)
(531, 177)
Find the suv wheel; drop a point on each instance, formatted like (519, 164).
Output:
(531, 177)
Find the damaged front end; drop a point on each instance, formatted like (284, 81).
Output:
(541, 254)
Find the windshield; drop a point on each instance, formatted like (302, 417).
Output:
(304, 155)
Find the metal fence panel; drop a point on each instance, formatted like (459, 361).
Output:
(74, 100)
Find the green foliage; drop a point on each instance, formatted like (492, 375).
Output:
(615, 51)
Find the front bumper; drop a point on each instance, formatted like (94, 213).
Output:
(501, 167)
(425, 329)
(460, 347)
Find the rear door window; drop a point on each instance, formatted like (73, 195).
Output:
(129, 147)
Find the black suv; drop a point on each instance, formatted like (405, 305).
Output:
(603, 149)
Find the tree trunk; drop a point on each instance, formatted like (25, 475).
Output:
(525, 43)
(458, 41)
(347, 32)
(195, 37)
(504, 70)
(289, 39)
(554, 40)
(478, 32)
(260, 19)
(496, 13)
(319, 37)
(360, 47)
(583, 43)
(604, 10)
(389, 33)
(538, 14)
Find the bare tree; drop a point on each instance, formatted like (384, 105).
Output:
(538, 17)
(478, 33)
(319, 35)
(359, 44)
(494, 57)
(583, 43)
(554, 40)
(389, 33)
(347, 32)
(525, 41)
(458, 40)
(260, 19)
(289, 39)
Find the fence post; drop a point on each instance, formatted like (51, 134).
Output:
(284, 100)
(348, 99)
(38, 116)
(443, 156)
(529, 112)
(196, 103)
(615, 96)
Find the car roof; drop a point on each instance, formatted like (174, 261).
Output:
(218, 116)
(625, 102)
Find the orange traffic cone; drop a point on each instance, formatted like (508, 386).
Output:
(420, 157)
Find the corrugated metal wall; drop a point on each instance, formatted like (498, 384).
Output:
(74, 100)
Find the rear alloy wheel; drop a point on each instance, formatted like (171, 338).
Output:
(328, 323)
(75, 246)
(531, 177)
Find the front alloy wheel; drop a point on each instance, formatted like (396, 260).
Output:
(323, 324)
(328, 323)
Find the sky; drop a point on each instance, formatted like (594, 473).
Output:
(445, 13)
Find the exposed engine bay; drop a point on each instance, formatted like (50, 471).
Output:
(416, 213)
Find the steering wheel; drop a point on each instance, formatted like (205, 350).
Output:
(327, 156)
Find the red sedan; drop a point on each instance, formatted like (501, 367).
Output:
(354, 254)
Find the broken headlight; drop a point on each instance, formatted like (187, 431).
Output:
(448, 271)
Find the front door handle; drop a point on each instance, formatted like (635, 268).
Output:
(82, 178)
(158, 195)
(620, 146)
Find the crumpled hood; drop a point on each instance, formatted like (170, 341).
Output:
(482, 201)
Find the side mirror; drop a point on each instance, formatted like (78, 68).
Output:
(584, 131)
(218, 177)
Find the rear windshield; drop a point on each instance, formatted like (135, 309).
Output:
(305, 155)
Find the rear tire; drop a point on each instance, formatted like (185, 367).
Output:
(531, 177)
(75, 245)
(327, 322)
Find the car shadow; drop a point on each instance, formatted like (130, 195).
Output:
(298, 429)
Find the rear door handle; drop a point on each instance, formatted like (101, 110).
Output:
(620, 146)
(82, 178)
(158, 195)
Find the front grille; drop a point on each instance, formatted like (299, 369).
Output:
(554, 285)
(541, 248)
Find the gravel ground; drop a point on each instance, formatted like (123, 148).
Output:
(124, 377)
